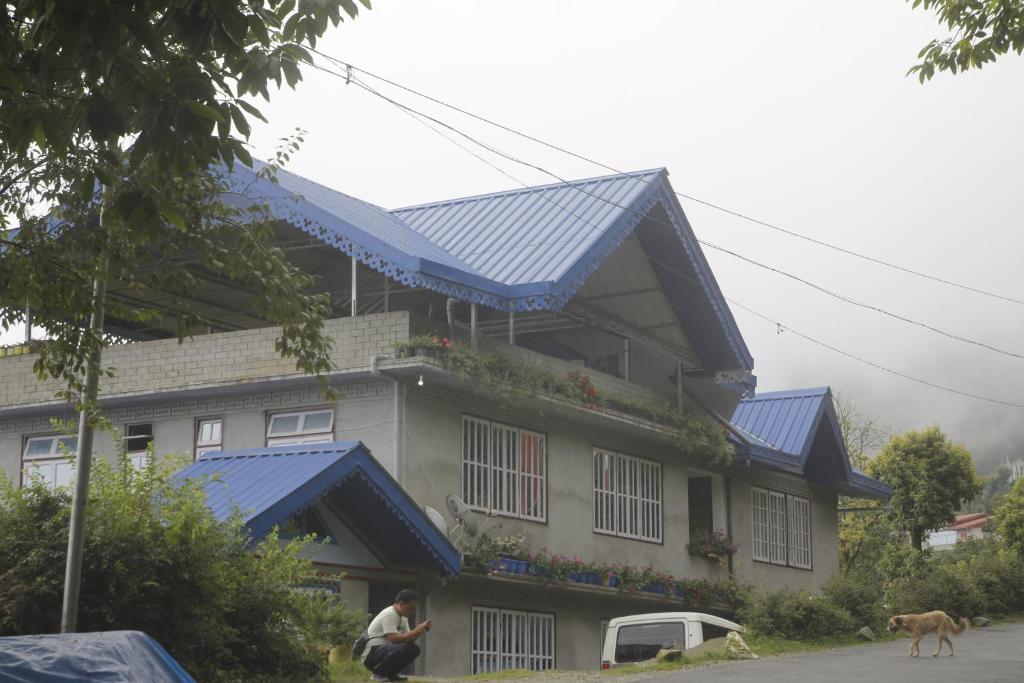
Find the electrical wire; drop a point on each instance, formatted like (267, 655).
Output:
(578, 186)
(779, 325)
(711, 205)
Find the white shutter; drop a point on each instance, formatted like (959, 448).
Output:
(627, 496)
(511, 639)
(541, 642)
(759, 524)
(777, 527)
(476, 462)
(486, 651)
(799, 532)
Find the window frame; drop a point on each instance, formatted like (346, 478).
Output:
(780, 526)
(528, 623)
(53, 458)
(200, 447)
(300, 435)
(638, 509)
(138, 458)
(502, 488)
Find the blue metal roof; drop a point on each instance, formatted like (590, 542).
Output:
(531, 235)
(269, 486)
(784, 419)
(782, 429)
(519, 250)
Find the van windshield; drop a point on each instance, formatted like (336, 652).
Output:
(643, 641)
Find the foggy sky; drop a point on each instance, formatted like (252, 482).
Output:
(797, 113)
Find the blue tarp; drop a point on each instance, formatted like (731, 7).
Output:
(109, 657)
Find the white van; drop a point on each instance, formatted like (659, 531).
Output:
(639, 637)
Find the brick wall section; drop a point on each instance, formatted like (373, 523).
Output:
(225, 357)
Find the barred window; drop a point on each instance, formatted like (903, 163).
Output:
(627, 496)
(504, 469)
(759, 526)
(781, 528)
(512, 639)
(799, 532)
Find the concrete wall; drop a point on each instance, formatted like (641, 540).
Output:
(363, 411)
(824, 533)
(433, 469)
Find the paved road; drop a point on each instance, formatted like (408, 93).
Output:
(984, 655)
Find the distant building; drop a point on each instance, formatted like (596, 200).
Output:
(962, 528)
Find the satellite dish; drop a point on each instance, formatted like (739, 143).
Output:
(456, 507)
(435, 517)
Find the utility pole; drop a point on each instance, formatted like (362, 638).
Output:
(86, 431)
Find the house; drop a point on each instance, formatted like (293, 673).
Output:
(599, 402)
(971, 525)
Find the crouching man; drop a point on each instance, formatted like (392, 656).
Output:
(391, 644)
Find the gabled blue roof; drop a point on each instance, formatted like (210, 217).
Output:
(520, 250)
(268, 486)
(783, 431)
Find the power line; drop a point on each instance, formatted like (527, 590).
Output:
(711, 205)
(686, 277)
(841, 297)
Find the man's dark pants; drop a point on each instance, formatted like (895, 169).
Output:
(389, 660)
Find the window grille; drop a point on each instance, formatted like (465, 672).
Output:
(512, 639)
(799, 532)
(627, 496)
(781, 528)
(504, 469)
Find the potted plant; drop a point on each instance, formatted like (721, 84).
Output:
(715, 546)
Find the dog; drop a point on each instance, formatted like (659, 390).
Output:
(920, 625)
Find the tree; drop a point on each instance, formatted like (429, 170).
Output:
(115, 112)
(862, 434)
(982, 30)
(115, 119)
(931, 478)
(158, 561)
(1010, 519)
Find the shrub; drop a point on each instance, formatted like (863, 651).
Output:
(156, 560)
(861, 598)
(975, 577)
(795, 614)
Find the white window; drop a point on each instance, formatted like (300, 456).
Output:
(309, 426)
(49, 459)
(503, 469)
(799, 532)
(137, 440)
(627, 496)
(512, 639)
(209, 435)
(776, 527)
(759, 527)
(781, 528)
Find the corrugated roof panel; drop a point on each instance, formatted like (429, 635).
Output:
(354, 215)
(785, 419)
(268, 486)
(533, 235)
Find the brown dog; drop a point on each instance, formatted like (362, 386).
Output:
(920, 625)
